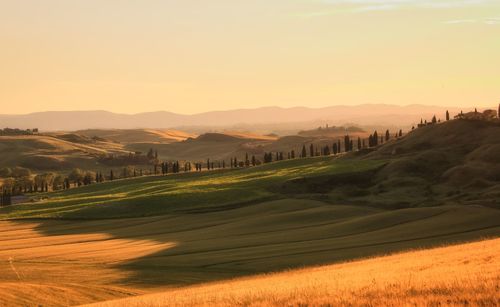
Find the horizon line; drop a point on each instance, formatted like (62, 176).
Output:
(248, 109)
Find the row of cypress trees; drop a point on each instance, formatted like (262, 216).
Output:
(165, 168)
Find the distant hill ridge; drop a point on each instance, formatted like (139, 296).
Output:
(368, 114)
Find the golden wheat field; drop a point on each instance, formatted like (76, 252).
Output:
(467, 274)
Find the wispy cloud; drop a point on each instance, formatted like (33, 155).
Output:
(487, 21)
(360, 6)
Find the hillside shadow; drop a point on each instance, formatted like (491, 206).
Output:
(273, 236)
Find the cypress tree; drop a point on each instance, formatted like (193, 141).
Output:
(208, 164)
(292, 154)
(400, 133)
(359, 143)
(387, 135)
(254, 161)
(304, 151)
(311, 150)
(434, 120)
(111, 175)
(347, 143)
(447, 115)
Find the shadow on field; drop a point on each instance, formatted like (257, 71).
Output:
(266, 237)
(437, 185)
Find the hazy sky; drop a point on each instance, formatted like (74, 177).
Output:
(191, 56)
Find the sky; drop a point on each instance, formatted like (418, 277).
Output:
(192, 56)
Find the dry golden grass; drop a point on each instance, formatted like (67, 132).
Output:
(249, 135)
(64, 270)
(467, 274)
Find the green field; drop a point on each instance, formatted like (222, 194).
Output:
(183, 193)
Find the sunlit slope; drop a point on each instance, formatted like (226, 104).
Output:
(183, 193)
(45, 152)
(82, 261)
(465, 274)
(152, 136)
(216, 146)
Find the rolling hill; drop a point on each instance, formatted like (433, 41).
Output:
(148, 234)
(127, 136)
(54, 152)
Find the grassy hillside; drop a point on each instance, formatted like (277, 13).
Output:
(155, 136)
(453, 162)
(53, 153)
(191, 192)
(141, 235)
(465, 274)
(216, 146)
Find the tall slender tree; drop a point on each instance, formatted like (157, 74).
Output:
(347, 143)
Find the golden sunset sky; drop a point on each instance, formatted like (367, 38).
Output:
(191, 56)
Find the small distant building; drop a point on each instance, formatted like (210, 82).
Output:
(488, 115)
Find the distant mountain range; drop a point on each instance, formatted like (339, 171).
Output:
(389, 115)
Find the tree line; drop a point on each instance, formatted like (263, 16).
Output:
(20, 180)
